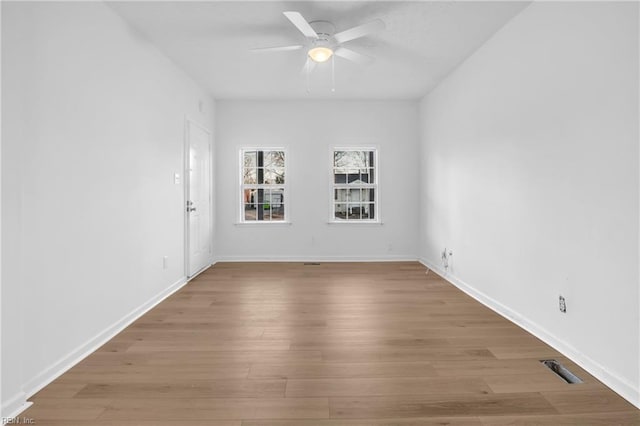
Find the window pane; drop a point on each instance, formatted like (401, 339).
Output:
(249, 196)
(258, 196)
(277, 204)
(267, 159)
(340, 195)
(274, 197)
(364, 211)
(339, 176)
(354, 195)
(370, 211)
(366, 159)
(351, 159)
(353, 177)
(249, 212)
(274, 159)
(250, 159)
(263, 212)
(274, 175)
(249, 176)
(340, 211)
(353, 211)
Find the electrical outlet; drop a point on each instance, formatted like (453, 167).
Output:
(562, 304)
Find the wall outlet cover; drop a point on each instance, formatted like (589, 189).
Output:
(562, 304)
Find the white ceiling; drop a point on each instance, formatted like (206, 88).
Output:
(423, 42)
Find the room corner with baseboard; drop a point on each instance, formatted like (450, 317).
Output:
(527, 193)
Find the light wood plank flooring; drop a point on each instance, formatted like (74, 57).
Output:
(248, 344)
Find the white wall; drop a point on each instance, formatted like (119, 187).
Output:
(530, 175)
(93, 128)
(309, 129)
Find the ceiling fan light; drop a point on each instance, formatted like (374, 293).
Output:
(320, 54)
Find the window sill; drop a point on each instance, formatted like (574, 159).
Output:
(355, 222)
(263, 223)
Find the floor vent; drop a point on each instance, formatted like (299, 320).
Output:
(561, 371)
(311, 263)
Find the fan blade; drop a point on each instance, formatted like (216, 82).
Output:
(359, 31)
(352, 56)
(277, 48)
(301, 24)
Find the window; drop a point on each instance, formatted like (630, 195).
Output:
(355, 185)
(263, 191)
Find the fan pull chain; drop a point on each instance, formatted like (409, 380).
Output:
(308, 66)
(333, 73)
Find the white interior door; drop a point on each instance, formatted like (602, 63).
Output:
(198, 144)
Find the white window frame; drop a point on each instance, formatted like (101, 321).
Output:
(374, 186)
(242, 187)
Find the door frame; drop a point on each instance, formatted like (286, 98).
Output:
(186, 194)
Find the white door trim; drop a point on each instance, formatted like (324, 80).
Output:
(186, 191)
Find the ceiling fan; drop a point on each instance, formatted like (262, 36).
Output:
(323, 42)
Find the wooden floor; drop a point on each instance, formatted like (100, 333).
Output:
(330, 344)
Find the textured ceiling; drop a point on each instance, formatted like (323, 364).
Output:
(423, 42)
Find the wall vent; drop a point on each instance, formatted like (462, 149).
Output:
(561, 371)
(311, 263)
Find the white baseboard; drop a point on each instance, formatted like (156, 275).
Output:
(14, 407)
(390, 258)
(618, 384)
(19, 403)
(201, 270)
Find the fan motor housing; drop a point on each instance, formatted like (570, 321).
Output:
(324, 29)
